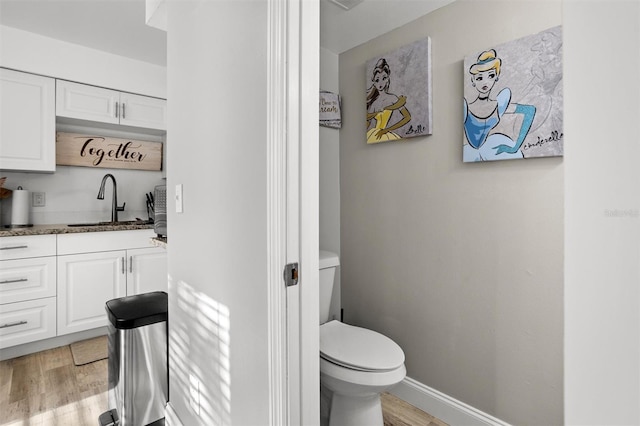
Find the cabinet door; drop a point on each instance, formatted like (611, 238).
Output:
(28, 129)
(143, 111)
(84, 102)
(147, 270)
(85, 283)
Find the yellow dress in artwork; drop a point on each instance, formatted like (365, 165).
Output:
(382, 118)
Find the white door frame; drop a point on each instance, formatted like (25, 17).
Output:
(309, 80)
(292, 192)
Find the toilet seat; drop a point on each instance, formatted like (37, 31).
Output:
(358, 348)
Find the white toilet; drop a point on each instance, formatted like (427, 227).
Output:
(356, 364)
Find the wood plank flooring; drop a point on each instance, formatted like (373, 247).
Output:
(47, 389)
(397, 412)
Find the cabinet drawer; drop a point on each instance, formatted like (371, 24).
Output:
(27, 246)
(26, 279)
(25, 322)
(90, 242)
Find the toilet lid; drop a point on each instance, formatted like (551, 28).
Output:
(358, 348)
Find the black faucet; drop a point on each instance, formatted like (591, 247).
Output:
(114, 208)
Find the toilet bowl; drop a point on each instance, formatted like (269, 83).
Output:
(356, 364)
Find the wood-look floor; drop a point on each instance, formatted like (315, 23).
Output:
(47, 389)
(397, 412)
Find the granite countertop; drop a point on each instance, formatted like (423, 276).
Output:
(66, 229)
(159, 241)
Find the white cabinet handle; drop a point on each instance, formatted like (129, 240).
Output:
(123, 111)
(124, 271)
(117, 107)
(13, 247)
(13, 324)
(19, 280)
(131, 264)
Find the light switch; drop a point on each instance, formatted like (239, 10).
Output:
(194, 393)
(179, 204)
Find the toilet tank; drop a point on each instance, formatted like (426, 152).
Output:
(327, 265)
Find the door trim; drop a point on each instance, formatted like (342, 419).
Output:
(277, 210)
(309, 87)
(293, 210)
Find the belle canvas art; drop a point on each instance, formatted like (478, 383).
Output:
(399, 93)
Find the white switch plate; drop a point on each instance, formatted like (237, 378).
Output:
(179, 204)
(194, 393)
(38, 199)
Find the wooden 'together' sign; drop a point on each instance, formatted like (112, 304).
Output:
(74, 149)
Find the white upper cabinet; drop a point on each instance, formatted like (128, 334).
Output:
(143, 111)
(85, 102)
(27, 122)
(91, 103)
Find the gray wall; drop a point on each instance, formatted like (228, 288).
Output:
(329, 148)
(461, 264)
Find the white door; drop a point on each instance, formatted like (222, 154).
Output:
(246, 117)
(85, 283)
(28, 122)
(146, 270)
(294, 100)
(143, 111)
(84, 102)
(303, 211)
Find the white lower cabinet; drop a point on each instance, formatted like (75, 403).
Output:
(27, 289)
(94, 273)
(85, 283)
(147, 270)
(28, 321)
(53, 285)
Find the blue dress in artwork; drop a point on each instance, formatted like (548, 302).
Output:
(483, 146)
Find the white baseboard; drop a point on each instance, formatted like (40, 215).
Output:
(442, 406)
(170, 416)
(54, 342)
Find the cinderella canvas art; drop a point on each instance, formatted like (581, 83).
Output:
(512, 107)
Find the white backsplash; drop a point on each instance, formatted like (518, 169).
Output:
(71, 194)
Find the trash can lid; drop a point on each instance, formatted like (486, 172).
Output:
(137, 311)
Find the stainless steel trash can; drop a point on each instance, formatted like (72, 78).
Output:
(138, 373)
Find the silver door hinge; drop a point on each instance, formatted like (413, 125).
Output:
(291, 274)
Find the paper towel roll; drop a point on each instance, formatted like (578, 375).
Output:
(20, 207)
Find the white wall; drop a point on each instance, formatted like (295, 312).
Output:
(71, 192)
(461, 264)
(218, 247)
(330, 175)
(25, 51)
(602, 213)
